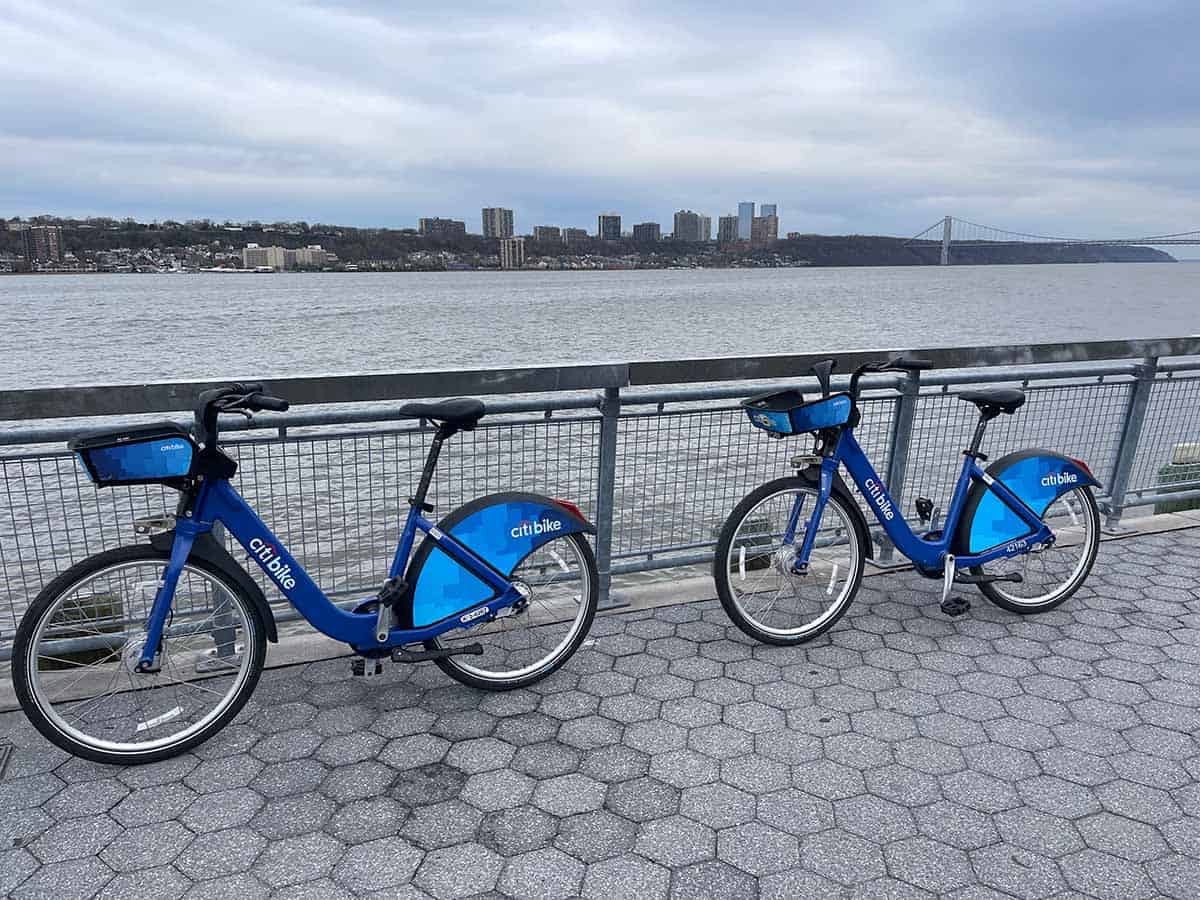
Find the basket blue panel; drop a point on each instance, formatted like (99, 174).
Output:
(826, 413)
(162, 457)
(503, 533)
(1038, 481)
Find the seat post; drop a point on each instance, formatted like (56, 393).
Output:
(431, 460)
(977, 437)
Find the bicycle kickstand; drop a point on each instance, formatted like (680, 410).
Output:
(951, 605)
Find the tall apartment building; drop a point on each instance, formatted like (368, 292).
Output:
(745, 220)
(44, 243)
(574, 235)
(512, 252)
(764, 231)
(446, 229)
(256, 257)
(768, 209)
(727, 230)
(705, 228)
(647, 232)
(547, 234)
(688, 226)
(497, 222)
(310, 257)
(608, 227)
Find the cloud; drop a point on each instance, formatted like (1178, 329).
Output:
(866, 117)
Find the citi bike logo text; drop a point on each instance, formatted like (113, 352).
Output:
(172, 447)
(527, 528)
(880, 499)
(473, 615)
(1057, 478)
(276, 568)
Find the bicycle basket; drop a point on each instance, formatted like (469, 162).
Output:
(785, 412)
(151, 453)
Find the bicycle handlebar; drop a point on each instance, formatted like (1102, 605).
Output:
(896, 364)
(246, 398)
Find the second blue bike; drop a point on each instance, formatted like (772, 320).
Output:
(790, 557)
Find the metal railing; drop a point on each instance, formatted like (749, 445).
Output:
(656, 453)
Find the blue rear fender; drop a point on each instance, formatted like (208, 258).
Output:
(502, 529)
(1037, 477)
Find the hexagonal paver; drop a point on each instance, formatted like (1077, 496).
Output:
(842, 857)
(569, 794)
(718, 805)
(626, 877)
(511, 832)
(874, 818)
(220, 854)
(75, 839)
(676, 841)
(642, 799)
(545, 874)
(292, 816)
(146, 847)
(593, 836)
(757, 848)
(441, 824)
(929, 864)
(459, 871)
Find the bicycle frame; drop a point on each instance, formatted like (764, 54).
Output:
(218, 501)
(930, 553)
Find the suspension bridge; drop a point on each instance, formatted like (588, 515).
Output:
(952, 230)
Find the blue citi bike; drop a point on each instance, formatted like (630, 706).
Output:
(142, 652)
(790, 556)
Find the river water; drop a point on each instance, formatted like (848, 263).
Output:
(77, 329)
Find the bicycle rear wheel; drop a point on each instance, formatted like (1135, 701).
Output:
(75, 651)
(523, 647)
(1051, 575)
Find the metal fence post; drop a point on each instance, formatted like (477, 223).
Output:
(610, 411)
(902, 426)
(1135, 417)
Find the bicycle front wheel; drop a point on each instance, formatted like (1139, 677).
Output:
(754, 569)
(525, 646)
(75, 653)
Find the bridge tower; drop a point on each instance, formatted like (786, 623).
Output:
(946, 240)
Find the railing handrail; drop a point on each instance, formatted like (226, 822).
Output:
(179, 396)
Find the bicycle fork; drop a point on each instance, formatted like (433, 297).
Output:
(824, 489)
(185, 536)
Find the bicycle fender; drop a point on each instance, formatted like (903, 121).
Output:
(211, 551)
(813, 476)
(1037, 477)
(502, 529)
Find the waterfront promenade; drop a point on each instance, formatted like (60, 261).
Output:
(903, 755)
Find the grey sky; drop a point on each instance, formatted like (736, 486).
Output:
(1066, 118)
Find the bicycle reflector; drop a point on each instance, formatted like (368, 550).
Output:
(1084, 466)
(570, 507)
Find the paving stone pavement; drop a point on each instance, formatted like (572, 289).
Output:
(903, 755)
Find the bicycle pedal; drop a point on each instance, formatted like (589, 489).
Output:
(400, 654)
(955, 606)
(361, 667)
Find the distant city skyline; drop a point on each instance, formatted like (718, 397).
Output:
(874, 118)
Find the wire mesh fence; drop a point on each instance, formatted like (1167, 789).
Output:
(336, 494)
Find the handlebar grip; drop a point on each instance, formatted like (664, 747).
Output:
(909, 363)
(267, 402)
